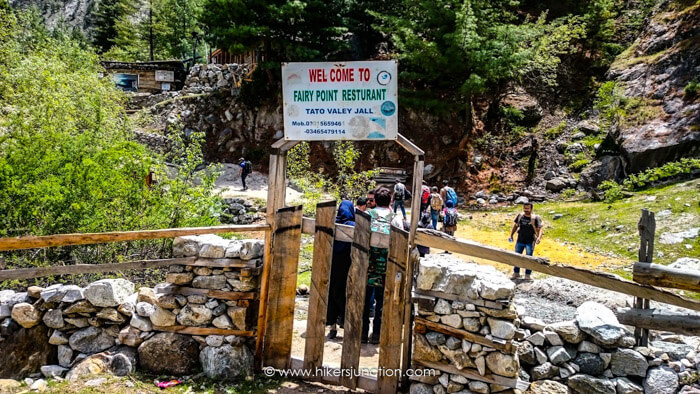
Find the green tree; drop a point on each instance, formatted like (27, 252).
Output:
(286, 30)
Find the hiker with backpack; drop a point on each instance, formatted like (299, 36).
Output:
(399, 197)
(529, 227)
(424, 197)
(436, 204)
(340, 266)
(426, 223)
(382, 218)
(449, 218)
(245, 170)
(448, 194)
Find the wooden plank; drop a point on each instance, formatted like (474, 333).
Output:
(279, 183)
(345, 233)
(282, 287)
(409, 146)
(393, 314)
(265, 277)
(320, 278)
(204, 331)
(31, 242)
(660, 275)
(30, 273)
(355, 300)
(219, 294)
(474, 375)
(408, 307)
(593, 278)
(223, 263)
(422, 325)
(679, 323)
(464, 298)
(647, 228)
(288, 145)
(331, 375)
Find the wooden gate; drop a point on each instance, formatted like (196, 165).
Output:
(282, 290)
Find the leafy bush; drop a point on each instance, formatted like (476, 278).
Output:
(691, 90)
(68, 161)
(568, 193)
(579, 164)
(614, 190)
(555, 131)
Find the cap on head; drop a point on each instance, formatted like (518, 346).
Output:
(445, 182)
(241, 159)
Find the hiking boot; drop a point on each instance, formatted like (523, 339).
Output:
(515, 276)
(374, 340)
(332, 334)
(528, 277)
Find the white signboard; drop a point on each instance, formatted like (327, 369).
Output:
(340, 100)
(165, 76)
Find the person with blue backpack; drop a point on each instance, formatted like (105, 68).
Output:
(448, 194)
(245, 170)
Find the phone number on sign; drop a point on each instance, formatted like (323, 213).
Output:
(317, 123)
(324, 131)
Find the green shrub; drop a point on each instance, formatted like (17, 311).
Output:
(579, 164)
(568, 193)
(666, 171)
(691, 90)
(555, 131)
(612, 189)
(68, 161)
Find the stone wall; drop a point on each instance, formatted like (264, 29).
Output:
(470, 340)
(211, 77)
(109, 327)
(595, 353)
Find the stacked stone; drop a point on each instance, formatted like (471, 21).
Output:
(474, 299)
(108, 327)
(210, 77)
(240, 211)
(595, 353)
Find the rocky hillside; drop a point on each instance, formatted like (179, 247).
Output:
(72, 13)
(568, 150)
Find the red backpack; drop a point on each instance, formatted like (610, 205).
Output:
(425, 195)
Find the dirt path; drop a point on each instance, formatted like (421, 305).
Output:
(229, 183)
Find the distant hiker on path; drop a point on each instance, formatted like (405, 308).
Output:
(450, 218)
(340, 265)
(448, 194)
(529, 228)
(424, 197)
(436, 204)
(246, 168)
(399, 196)
(424, 222)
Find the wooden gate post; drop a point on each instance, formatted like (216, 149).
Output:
(647, 228)
(320, 277)
(282, 287)
(393, 314)
(355, 300)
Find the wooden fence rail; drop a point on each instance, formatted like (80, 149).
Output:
(603, 280)
(659, 275)
(680, 323)
(31, 242)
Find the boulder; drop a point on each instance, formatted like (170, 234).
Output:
(420, 388)
(25, 315)
(185, 246)
(568, 331)
(83, 306)
(442, 307)
(422, 350)
(222, 321)
(626, 386)
(130, 336)
(627, 362)
(24, 351)
(73, 293)
(65, 356)
(661, 380)
(503, 364)
(675, 351)
(109, 292)
(226, 362)
(162, 317)
(53, 318)
(144, 309)
(194, 315)
(90, 340)
(58, 338)
(111, 314)
(600, 323)
(448, 274)
(179, 278)
(501, 328)
(53, 371)
(588, 127)
(252, 248)
(214, 282)
(589, 364)
(605, 168)
(526, 353)
(558, 355)
(141, 323)
(118, 362)
(180, 351)
(146, 294)
(556, 184)
(544, 371)
(547, 387)
(586, 384)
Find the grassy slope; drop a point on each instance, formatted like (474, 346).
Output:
(588, 236)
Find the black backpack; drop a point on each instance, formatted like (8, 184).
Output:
(247, 167)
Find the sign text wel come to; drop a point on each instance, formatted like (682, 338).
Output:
(340, 100)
